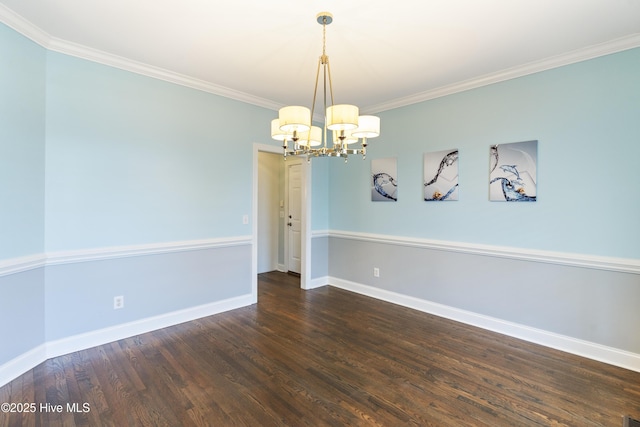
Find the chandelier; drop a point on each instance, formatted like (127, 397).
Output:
(298, 135)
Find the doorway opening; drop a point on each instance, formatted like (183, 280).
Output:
(272, 205)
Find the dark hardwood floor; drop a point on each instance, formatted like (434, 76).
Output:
(325, 357)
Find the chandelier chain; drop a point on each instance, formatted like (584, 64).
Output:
(324, 37)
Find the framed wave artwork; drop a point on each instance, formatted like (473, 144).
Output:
(513, 172)
(440, 173)
(384, 182)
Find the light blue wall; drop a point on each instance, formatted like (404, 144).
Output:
(22, 130)
(320, 193)
(586, 117)
(125, 160)
(134, 160)
(128, 160)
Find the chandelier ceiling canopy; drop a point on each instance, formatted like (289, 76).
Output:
(343, 122)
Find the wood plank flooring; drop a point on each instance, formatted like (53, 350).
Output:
(325, 357)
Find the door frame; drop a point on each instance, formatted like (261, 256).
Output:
(305, 213)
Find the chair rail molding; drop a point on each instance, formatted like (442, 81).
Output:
(622, 265)
(30, 262)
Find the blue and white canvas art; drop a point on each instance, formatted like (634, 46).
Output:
(441, 175)
(384, 183)
(512, 176)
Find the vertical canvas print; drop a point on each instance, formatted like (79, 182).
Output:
(441, 175)
(512, 176)
(384, 183)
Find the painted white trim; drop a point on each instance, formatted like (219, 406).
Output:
(29, 30)
(97, 254)
(130, 65)
(24, 27)
(305, 226)
(623, 265)
(567, 344)
(28, 360)
(318, 282)
(125, 330)
(22, 363)
(618, 45)
(20, 264)
(320, 233)
(44, 39)
(34, 357)
(25, 263)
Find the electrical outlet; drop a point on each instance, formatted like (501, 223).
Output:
(118, 302)
(245, 219)
(376, 272)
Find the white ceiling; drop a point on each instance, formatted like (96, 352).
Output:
(383, 53)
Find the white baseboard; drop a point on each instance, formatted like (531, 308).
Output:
(34, 357)
(125, 330)
(318, 282)
(21, 364)
(610, 355)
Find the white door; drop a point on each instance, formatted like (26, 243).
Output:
(293, 216)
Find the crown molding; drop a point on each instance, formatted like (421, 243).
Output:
(24, 27)
(614, 46)
(29, 30)
(94, 55)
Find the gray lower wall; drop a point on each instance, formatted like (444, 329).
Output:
(79, 296)
(319, 256)
(60, 301)
(21, 313)
(589, 304)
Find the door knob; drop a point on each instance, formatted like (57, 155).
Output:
(289, 224)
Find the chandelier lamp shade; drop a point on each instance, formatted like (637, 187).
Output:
(343, 122)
